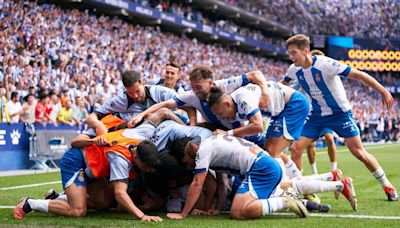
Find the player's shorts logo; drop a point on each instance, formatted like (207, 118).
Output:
(81, 176)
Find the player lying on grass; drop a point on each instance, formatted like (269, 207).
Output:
(124, 149)
(262, 177)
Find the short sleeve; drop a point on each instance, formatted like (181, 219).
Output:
(248, 100)
(229, 85)
(185, 99)
(334, 67)
(203, 159)
(162, 93)
(290, 74)
(119, 167)
(117, 104)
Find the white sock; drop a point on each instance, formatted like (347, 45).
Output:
(315, 186)
(39, 205)
(380, 176)
(272, 204)
(321, 177)
(333, 165)
(292, 170)
(62, 197)
(314, 170)
(284, 174)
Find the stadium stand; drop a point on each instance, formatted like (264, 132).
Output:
(79, 55)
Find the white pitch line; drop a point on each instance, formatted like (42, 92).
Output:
(311, 215)
(346, 216)
(347, 150)
(30, 185)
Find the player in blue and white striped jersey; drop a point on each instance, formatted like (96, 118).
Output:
(319, 77)
(135, 99)
(201, 79)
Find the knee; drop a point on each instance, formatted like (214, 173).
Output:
(295, 151)
(250, 211)
(329, 140)
(78, 213)
(235, 214)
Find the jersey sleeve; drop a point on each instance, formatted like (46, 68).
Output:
(119, 167)
(115, 105)
(229, 85)
(334, 67)
(290, 74)
(143, 132)
(203, 158)
(162, 93)
(248, 101)
(185, 98)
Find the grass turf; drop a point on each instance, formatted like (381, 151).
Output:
(371, 200)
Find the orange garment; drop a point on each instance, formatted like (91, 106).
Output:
(96, 156)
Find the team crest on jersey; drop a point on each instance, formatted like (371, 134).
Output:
(317, 77)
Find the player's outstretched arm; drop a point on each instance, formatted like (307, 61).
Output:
(126, 203)
(192, 196)
(94, 122)
(258, 78)
(164, 114)
(368, 80)
(83, 140)
(165, 104)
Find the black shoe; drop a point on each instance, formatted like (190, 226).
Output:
(51, 194)
(312, 206)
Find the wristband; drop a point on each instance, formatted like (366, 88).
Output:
(230, 133)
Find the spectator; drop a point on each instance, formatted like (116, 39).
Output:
(14, 107)
(42, 110)
(65, 114)
(28, 109)
(4, 114)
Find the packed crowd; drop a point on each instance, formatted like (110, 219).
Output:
(371, 19)
(77, 59)
(185, 10)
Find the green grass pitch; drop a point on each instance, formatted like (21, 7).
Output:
(371, 201)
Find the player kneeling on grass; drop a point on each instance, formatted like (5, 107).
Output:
(125, 148)
(227, 153)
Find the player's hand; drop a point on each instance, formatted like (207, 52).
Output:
(99, 141)
(213, 212)
(175, 216)
(135, 120)
(198, 212)
(220, 132)
(387, 99)
(148, 218)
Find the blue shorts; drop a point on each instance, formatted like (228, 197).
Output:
(263, 177)
(72, 168)
(343, 124)
(290, 121)
(326, 131)
(258, 139)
